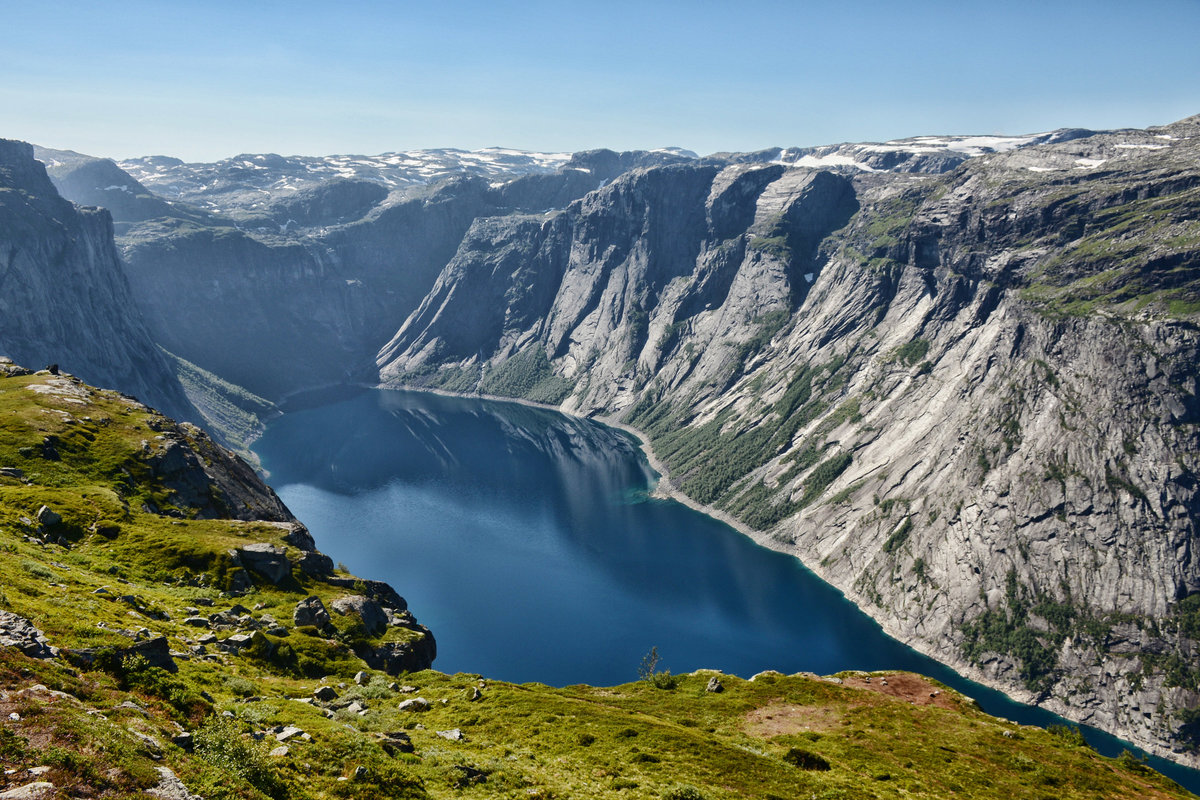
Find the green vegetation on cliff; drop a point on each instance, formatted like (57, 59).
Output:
(162, 631)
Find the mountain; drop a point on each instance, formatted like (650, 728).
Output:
(967, 400)
(954, 375)
(210, 649)
(64, 297)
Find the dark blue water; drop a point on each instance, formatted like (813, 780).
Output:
(527, 541)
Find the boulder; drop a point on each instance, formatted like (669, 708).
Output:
(370, 612)
(394, 742)
(325, 694)
(315, 564)
(396, 657)
(714, 685)
(362, 678)
(18, 632)
(267, 560)
(414, 704)
(48, 518)
(40, 790)
(311, 611)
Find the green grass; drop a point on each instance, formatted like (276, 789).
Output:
(775, 736)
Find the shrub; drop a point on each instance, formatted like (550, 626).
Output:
(683, 792)
(221, 744)
(804, 759)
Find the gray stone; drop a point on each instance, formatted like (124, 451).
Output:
(325, 693)
(454, 735)
(169, 787)
(18, 632)
(267, 560)
(196, 622)
(280, 751)
(414, 704)
(714, 685)
(287, 733)
(39, 790)
(362, 678)
(366, 609)
(47, 518)
(315, 564)
(311, 612)
(395, 742)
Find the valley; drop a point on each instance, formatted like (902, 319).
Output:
(954, 376)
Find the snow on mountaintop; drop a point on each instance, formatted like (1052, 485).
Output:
(234, 182)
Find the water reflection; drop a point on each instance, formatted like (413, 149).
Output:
(526, 540)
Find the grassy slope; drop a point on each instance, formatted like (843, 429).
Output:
(633, 741)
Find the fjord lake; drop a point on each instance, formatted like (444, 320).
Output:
(529, 542)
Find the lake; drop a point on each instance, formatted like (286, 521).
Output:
(529, 543)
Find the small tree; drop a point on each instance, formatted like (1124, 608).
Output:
(649, 672)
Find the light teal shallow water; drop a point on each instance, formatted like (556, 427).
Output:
(527, 541)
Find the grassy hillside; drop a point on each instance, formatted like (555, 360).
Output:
(121, 560)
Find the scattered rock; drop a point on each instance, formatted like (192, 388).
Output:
(288, 733)
(196, 622)
(280, 752)
(311, 611)
(403, 689)
(397, 657)
(454, 735)
(156, 651)
(357, 708)
(414, 704)
(394, 742)
(714, 685)
(325, 694)
(239, 640)
(41, 790)
(184, 741)
(48, 518)
(360, 773)
(169, 787)
(362, 678)
(267, 560)
(315, 564)
(366, 609)
(11, 472)
(18, 632)
(474, 695)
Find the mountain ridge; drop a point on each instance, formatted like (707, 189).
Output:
(800, 343)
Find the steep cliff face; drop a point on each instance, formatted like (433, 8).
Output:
(313, 268)
(967, 400)
(63, 296)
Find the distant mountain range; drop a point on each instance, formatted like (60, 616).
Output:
(955, 375)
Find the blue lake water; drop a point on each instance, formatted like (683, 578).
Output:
(528, 542)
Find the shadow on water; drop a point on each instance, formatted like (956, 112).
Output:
(528, 542)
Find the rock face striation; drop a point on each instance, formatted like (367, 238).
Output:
(64, 298)
(955, 375)
(968, 400)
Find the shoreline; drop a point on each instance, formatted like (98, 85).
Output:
(664, 489)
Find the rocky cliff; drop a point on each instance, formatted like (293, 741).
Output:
(968, 400)
(955, 375)
(64, 298)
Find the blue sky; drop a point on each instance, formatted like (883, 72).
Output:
(206, 80)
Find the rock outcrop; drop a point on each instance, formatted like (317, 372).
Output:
(64, 298)
(967, 400)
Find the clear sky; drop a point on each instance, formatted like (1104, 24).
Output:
(208, 79)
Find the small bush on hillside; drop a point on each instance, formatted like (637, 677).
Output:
(805, 760)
